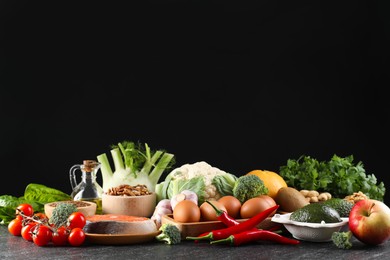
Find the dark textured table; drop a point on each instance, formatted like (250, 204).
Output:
(12, 247)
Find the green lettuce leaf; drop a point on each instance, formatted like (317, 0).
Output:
(43, 194)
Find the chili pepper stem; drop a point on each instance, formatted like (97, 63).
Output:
(228, 240)
(209, 237)
(217, 210)
(224, 216)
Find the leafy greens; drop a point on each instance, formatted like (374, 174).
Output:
(340, 176)
(35, 194)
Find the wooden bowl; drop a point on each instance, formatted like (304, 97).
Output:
(86, 207)
(140, 206)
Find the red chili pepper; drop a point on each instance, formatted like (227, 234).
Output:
(229, 221)
(243, 226)
(275, 228)
(223, 216)
(255, 235)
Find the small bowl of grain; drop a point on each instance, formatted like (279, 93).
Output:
(86, 207)
(129, 200)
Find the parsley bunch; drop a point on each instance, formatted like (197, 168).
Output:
(339, 176)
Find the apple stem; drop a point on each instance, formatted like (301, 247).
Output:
(369, 211)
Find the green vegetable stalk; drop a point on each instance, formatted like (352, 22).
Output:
(134, 164)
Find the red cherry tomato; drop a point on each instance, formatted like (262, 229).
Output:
(41, 216)
(76, 220)
(42, 235)
(27, 231)
(15, 227)
(60, 236)
(76, 237)
(26, 209)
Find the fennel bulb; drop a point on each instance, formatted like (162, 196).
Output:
(134, 164)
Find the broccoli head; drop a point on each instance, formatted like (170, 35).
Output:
(61, 213)
(342, 239)
(249, 186)
(170, 234)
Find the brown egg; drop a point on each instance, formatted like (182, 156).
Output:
(256, 205)
(232, 205)
(186, 211)
(207, 211)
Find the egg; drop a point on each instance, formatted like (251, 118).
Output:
(232, 205)
(207, 211)
(256, 205)
(186, 211)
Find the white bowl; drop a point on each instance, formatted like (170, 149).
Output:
(140, 206)
(313, 232)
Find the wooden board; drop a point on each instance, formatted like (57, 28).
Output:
(196, 228)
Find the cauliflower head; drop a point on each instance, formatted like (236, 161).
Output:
(206, 181)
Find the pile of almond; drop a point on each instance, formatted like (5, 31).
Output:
(314, 196)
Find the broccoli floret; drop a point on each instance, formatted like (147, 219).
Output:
(249, 186)
(170, 234)
(61, 213)
(342, 239)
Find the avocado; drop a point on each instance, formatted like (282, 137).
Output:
(342, 206)
(316, 213)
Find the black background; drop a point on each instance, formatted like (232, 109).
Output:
(241, 85)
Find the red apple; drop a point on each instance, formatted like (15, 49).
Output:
(369, 221)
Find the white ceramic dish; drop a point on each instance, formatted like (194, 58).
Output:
(313, 232)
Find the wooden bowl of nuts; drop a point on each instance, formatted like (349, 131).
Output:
(129, 200)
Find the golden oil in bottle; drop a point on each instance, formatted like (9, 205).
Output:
(87, 189)
(98, 202)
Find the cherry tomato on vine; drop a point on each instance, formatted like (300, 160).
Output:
(76, 237)
(15, 227)
(42, 235)
(76, 220)
(26, 209)
(27, 231)
(60, 236)
(40, 215)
